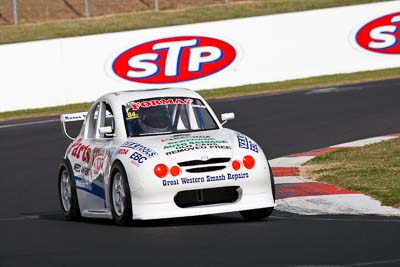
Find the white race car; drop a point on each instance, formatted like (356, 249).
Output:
(162, 153)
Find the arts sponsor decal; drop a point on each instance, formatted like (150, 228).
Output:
(194, 143)
(247, 143)
(174, 59)
(147, 151)
(81, 151)
(206, 179)
(84, 152)
(381, 35)
(92, 160)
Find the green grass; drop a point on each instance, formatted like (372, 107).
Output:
(252, 89)
(40, 112)
(373, 170)
(143, 20)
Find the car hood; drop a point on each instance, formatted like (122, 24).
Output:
(201, 145)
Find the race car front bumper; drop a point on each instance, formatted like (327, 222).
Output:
(171, 210)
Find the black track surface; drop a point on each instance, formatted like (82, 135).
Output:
(33, 233)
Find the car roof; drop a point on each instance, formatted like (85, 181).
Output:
(123, 97)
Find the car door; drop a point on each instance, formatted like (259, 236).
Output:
(102, 148)
(80, 156)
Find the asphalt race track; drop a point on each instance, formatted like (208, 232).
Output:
(33, 233)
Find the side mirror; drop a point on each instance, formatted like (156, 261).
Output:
(107, 130)
(227, 117)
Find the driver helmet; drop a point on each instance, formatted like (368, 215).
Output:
(155, 119)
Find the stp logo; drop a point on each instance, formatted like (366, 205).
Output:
(381, 35)
(175, 59)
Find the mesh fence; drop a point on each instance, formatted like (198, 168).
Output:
(31, 11)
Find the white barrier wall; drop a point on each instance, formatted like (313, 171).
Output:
(218, 54)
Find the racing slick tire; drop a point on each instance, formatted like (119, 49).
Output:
(67, 192)
(120, 196)
(257, 214)
(271, 175)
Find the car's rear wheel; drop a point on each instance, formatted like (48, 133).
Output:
(256, 214)
(67, 192)
(120, 197)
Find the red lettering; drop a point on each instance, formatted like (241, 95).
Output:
(156, 102)
(75, 147)
(135, 106)
(74, 152)
(96, 152)
(123, 151)
(98, 165)
(145, 104)
(167, 102)
(80, 150)
(86, 155)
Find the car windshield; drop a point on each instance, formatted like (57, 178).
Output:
(166, 115)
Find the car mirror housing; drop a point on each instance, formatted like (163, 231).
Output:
(105, 130)
(227, 117)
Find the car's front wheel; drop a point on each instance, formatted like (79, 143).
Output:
(67, 192)
(121, 206)
(257, 214)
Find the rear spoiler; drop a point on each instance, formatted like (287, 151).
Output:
(80, 116)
